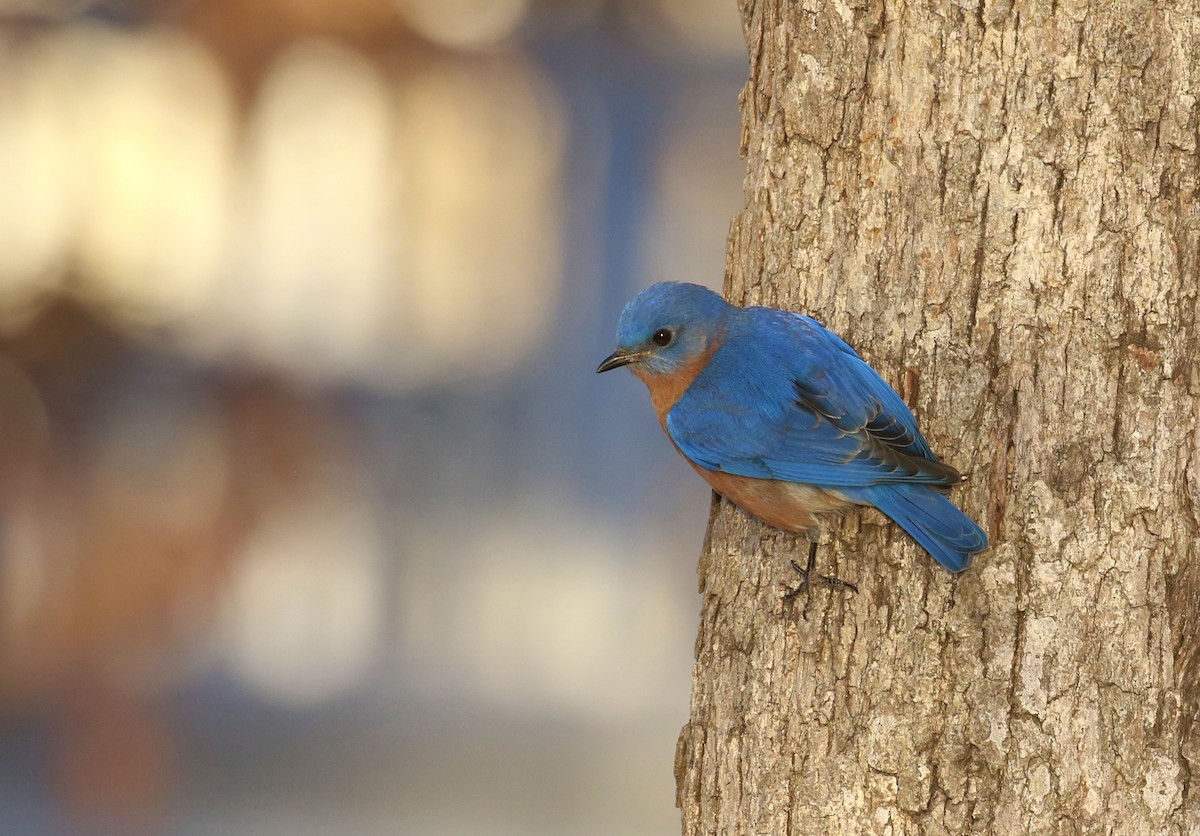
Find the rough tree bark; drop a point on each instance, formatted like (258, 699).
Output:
(997, 204)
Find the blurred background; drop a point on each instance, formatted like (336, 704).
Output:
(314, 516)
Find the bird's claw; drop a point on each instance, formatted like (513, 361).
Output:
(807, 576)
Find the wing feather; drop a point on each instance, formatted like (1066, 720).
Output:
(784, 398)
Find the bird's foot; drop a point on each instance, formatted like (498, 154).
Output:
(808, 576)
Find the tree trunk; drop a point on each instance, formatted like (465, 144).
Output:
(997, 205)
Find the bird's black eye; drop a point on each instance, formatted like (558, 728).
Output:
(662, 337)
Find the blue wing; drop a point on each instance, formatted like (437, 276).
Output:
(784, 398)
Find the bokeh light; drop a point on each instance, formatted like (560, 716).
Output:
(304, 612)
(36, 165)
(312, 510)
(485, 144)
(313, 251)
(152, 140)
(464, 23)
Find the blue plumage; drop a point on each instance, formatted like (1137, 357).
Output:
(784, 398)
(784, 418)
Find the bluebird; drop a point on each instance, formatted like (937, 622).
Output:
(783, 418)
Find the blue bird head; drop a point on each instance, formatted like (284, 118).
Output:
(667, 326)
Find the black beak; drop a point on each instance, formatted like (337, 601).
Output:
(614, 361)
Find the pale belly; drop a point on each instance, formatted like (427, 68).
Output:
(787, 505)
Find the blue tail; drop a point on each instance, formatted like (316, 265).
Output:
(930, 518)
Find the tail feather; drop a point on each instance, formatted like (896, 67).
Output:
(932, 520)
